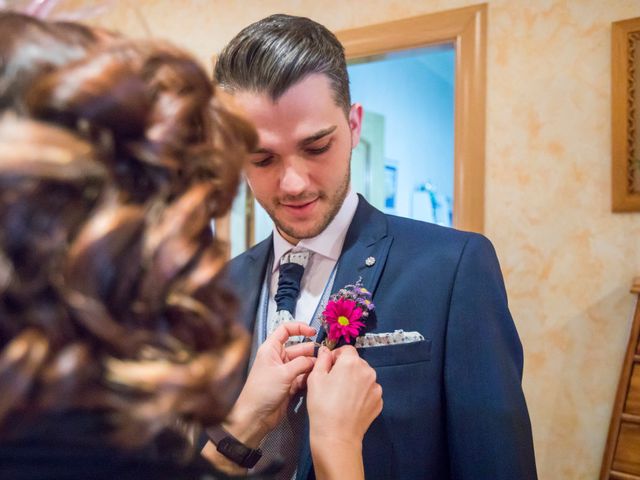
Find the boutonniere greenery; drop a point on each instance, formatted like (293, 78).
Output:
(345, 315)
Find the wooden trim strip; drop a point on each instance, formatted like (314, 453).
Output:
(615, 475)
(629, 418)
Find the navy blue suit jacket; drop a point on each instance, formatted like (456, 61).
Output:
(453, 403)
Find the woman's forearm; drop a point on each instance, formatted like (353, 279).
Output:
(337, 460)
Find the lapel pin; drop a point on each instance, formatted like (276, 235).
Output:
(370, 261)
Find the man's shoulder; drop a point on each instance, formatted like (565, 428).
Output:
(241, 258)
(427, 241)
(409, 229)
(239, 267)
(259, 250)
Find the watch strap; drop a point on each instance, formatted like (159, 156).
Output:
(234, 449)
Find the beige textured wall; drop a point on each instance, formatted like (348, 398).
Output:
(568, 261)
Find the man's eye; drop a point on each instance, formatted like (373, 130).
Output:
(263, 162)
(319, 150)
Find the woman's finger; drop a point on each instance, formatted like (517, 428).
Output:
(300, 349)
(290, 329)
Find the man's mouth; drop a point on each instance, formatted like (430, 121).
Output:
(299, 207)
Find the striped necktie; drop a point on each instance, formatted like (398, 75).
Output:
(282, 444)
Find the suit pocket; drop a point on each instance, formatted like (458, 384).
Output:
(398, 354)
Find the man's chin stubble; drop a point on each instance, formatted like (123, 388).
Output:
(310, 232)
(326, 220)
(300, 235)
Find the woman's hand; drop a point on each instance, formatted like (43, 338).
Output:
(343, 399)
(276, 374)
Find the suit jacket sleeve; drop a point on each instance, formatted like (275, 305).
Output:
(488, 427)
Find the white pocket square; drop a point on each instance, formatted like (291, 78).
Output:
(396, 337)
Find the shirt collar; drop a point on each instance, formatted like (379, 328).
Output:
(329, 242)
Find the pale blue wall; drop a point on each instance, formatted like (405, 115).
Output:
(415, 94)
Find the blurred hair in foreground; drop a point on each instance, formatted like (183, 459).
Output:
(112, 164)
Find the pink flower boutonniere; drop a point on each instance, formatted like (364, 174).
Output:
(344, 317)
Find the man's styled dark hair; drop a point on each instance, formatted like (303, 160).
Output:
(273, 54)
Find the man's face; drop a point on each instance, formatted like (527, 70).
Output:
(300, 171)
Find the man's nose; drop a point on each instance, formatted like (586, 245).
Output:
(294, 179)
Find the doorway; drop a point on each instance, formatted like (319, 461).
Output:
(465, 30)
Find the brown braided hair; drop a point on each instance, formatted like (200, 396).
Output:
(30, 47)
(108, 291)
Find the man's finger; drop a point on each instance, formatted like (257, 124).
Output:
(290, 329)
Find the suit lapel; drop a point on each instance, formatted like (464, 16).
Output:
(367, 238)
(250, 274)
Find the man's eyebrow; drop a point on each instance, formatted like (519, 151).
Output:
(261, 150)
(304, 142)
(317, 136)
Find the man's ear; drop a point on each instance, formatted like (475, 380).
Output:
(355, 123)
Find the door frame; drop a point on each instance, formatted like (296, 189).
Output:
(466, 28)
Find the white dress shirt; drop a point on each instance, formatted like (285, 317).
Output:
(326, 248)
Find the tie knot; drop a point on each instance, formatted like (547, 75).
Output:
(299, 256)
(292, 265)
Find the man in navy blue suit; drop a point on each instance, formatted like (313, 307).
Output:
(442, 342)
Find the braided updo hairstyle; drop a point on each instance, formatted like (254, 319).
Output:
(109, 298)
(30, 47)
